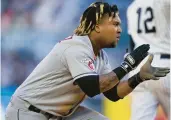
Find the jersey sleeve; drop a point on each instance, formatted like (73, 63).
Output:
(79, 62)
(107, 67)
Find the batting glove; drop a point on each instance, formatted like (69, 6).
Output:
(133, 59)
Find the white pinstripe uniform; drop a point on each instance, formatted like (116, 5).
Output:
(149, 22)
(50, 86)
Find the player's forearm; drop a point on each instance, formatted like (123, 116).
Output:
(127, 86)
(123, 89)
(107, 81)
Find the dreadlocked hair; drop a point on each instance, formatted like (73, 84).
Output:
(92, 15)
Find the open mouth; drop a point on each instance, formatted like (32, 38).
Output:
(118, 38)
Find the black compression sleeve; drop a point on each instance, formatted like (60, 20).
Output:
(89, 85)
(112, 94)
(120, 72)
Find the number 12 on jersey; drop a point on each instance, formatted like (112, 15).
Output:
(146, 22)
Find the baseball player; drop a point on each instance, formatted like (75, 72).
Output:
(149, 23)
(77, 67)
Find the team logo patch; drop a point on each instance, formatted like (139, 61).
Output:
(89, 63)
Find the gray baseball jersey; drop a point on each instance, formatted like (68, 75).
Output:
(50, 86)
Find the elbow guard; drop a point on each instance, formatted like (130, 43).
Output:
(112, 94)
(89, 85)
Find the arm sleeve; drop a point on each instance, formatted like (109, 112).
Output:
(112, 94)
(79, 62)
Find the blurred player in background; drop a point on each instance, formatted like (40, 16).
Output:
(149, 23)
(77, 67)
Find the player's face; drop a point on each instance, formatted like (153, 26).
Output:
(110, 30)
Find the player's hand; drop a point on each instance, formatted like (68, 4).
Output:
(133, 59)
(148, 72)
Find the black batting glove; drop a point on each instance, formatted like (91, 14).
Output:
(133, 59)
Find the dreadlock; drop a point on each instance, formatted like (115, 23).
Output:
(92, 15)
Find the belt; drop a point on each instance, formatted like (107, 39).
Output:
(37, 110)
(165, 56)
(20, 103)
